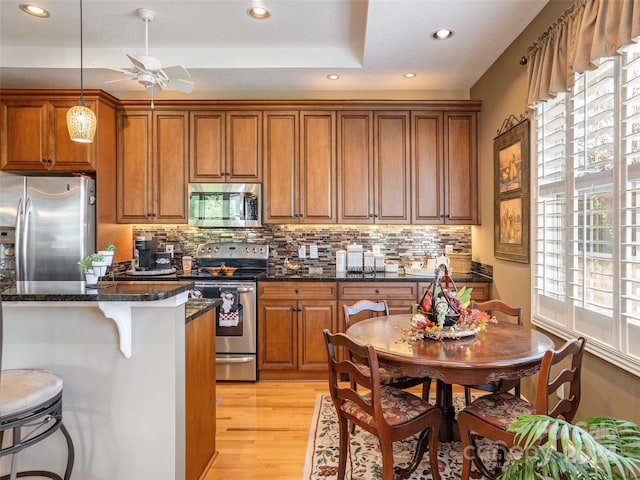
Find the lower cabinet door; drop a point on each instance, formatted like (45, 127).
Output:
(313, 317)
(278, 332)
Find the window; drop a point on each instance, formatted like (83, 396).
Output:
(586, 211)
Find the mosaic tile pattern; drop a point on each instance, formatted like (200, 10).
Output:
(399, 243)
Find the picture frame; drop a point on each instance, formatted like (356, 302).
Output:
(511, 191)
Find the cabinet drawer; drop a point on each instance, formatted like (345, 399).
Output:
(377, 290)
(481, 290)
(294, 290)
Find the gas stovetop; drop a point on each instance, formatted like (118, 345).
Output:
(249, 259)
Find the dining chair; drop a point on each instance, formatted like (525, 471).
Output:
(30, 411)
(399, 381)
(490, 415)
(512, 314)
(389, 413)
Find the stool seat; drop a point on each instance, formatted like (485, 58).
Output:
(23, 389)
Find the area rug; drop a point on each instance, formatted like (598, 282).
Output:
(365, 461)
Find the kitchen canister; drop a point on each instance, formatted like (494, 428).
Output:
(369, 262)
(341, 261)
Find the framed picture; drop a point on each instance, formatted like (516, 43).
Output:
(511, 191)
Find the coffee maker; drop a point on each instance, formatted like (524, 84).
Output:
(145, 252)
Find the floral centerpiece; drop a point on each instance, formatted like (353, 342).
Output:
(444, 311)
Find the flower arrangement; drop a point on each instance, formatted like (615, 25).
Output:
(444, 311)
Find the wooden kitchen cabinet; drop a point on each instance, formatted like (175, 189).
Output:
(481, 291)
(398, 295)
(200, 396)
(152, 164)
(291, 318)
(444, 168)
(374, 167)
(300, 167)
(34, 135)
(226, 146)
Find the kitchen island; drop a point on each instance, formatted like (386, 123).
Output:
(121, 351)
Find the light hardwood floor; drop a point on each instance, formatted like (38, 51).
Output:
(263, 428)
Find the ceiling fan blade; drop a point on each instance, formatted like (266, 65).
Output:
(181, 85)
(175, 71)
(121, 79)
(141, 66)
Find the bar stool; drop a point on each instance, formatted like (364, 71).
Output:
(30, 411)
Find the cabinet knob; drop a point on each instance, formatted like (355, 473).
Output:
(297, 291)
(377, 291)
(447, 216)
(371, 215)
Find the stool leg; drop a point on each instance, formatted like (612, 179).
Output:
(71, 452)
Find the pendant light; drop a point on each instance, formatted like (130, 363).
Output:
(81, 121)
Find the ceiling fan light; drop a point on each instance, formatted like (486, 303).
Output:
(81, 123)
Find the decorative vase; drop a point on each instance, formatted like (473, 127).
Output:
(91, 278)
(108, 256)
(100, 268)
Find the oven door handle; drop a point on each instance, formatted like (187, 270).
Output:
(246, 289)
(234, 360)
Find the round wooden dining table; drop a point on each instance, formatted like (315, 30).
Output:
(502, 351)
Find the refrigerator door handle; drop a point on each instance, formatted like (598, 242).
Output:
(25, 237)
(19, 247)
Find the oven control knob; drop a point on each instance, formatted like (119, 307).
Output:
(215, 249)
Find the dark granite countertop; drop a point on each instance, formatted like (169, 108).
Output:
(197, 306)
(120, 291)
(331, 275)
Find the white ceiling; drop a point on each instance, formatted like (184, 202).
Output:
(369, 43)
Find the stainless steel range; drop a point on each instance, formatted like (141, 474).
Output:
(236, 317)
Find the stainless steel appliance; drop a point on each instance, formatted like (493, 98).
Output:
(144, 253)
(54, 221)
(225, 204)
(236, 317)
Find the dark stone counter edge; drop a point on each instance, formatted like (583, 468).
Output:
(197, 307)
(106, 292)
(366, 277)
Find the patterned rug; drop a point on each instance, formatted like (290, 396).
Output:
(364, 462)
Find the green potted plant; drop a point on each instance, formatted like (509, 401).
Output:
(85, 266)
(107, 252)
(99, 264)
(592, 448)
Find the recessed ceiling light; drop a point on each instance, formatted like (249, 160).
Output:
(34, 10)
(409, 75)
(442, 34)
(333, 76)
(259, 13)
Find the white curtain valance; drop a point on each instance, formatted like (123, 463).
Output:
(590, 29)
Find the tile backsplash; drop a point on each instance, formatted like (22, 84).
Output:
(399, 243)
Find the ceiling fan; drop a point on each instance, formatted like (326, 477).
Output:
(148, 71)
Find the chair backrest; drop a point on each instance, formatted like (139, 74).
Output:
(340, 350)
(568, 363)
(499, 306)
(364, 306)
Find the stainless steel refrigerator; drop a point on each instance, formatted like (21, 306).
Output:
(55, 224)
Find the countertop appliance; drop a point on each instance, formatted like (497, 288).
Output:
(225, 205)
(55, 224)
(236, 317)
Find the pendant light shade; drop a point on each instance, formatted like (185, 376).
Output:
(81, 121)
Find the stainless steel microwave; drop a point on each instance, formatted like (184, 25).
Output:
(225, 205)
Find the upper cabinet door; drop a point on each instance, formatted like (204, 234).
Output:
(281, 167)
(355, 167)
(461, 168)
(170, 167)
(317, 188)
(244, 147)
(427, 167)
(134, 167)
(226, 146)
(391, 163)
(34, 137)
(207, 156)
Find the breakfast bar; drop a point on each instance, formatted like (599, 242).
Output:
(120, 350)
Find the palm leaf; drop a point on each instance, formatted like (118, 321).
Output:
(594, 448)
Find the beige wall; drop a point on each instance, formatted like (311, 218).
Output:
(607, 390)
